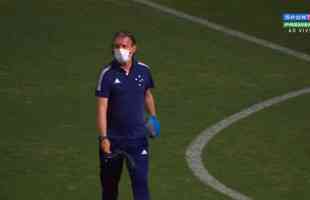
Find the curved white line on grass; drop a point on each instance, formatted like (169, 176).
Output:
(225, 30)
(194, 151)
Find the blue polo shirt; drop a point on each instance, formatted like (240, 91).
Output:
(126, 94)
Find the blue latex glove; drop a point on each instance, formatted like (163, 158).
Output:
(153, 126)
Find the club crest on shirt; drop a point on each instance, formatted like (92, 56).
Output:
(140, 80)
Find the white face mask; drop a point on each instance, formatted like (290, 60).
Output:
(122, 55)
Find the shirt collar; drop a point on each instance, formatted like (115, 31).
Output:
(117, 65)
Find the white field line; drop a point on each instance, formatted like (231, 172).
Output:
(223, 29)
(194, 151)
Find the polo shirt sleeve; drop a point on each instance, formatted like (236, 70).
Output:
(150, 81)
(103, 85)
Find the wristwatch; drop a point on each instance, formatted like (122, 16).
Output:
(102, 137)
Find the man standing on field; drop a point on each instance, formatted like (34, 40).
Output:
(123, 93)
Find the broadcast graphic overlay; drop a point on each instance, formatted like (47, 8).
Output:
(296, 22)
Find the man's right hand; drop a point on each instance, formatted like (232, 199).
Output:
(105, 146)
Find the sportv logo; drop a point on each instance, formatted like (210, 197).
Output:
(296, 17)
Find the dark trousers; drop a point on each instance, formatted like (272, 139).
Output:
(111, 169)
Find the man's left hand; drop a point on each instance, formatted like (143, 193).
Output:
(153, 126)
